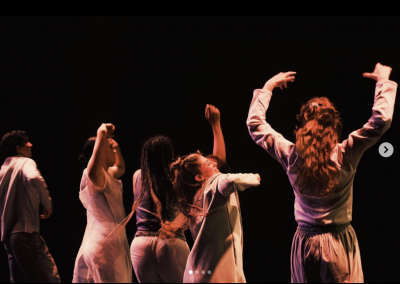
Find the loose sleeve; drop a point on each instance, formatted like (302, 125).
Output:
(382, 115)
(37, 182)
(262, 133)
(230, 183)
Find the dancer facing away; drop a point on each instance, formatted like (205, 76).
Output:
(103, 260)
(22, 190)
(159, 251)
(210, 201)
(321, 171)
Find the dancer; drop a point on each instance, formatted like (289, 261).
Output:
(216, 226)
(321, 171)
(22, 190)
(210, 201)
(102, 260)
(159, 251)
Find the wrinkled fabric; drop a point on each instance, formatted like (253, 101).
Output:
(95, 262)
(336, 263)
(338, 208)
(22, 190)
(217, 253)
(146, 216)
(30, 260)
(326, 257)
(159, 261)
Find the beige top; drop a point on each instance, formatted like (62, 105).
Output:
(338, 208)
(22, 189)
(217, 253)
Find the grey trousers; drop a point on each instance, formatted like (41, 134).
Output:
(30, 260)
(159, 261)
(326, 255)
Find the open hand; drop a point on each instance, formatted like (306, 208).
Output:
(280, 81)
(380, 73)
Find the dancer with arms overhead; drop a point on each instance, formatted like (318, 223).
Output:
(321, 171)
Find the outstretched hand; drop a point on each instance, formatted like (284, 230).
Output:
(380, 73)
(280, 81)
(213, 114)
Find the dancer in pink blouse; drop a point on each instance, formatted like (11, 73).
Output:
(321, 171)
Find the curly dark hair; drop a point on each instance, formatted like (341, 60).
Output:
(10, 141)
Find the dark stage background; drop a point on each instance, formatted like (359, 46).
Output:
(61, 77)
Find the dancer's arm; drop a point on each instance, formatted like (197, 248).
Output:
(96, 162)
(229, 183)
(382, 114)
(213, 116)
(118, 169)
(261, 132)
(37, 182)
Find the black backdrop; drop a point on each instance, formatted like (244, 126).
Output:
(61, 77)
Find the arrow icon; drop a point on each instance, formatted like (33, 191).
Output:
(386, 150)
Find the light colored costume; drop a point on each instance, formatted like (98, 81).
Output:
(325, 247)
(217, 253)
(22, 190)
(105, 211)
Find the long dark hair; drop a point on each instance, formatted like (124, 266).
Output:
(156, 158)
(316, 137)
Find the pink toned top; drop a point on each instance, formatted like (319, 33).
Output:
(22, 190)
(106, 262)
(338, 208)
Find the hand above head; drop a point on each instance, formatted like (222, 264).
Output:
(280, 81)
(380, 73)
(213, 114)
(46, 214)
(107, 128)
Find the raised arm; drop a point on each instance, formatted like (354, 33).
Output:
(96, 162)
(382, 114)
(261, 132)
(213, 116)
(36, 181)
(229, 183)
(118, 169)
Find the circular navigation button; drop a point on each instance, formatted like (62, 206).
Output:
(386, 150)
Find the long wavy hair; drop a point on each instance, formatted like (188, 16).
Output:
(316, 137)
(185, 184)
(157, 179)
